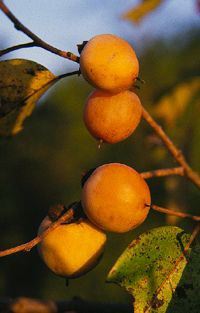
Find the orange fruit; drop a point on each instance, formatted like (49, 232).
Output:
(70, 250)
(112, 118)
(108, 62)
(116, 198)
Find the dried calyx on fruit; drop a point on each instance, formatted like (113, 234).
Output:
(109, 63)
(112, 118)
(116, 198)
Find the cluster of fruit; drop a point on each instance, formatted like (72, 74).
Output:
(115, 197)
(112, 112)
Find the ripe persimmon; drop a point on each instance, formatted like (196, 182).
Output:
(116, 198)
(112, 117)
(108, 62)
(70, 250)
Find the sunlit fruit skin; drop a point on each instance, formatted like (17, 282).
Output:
(73, 249)
(112, 117)
(108, 62)
(116, 198)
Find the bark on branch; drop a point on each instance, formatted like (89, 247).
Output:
(163, 172)
(175, 152)
(66, 217)
(175, 213)
(37, 42)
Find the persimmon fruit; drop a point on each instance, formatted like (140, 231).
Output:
(116, 198)
(112, 117)
(109, 62)
(71, 250)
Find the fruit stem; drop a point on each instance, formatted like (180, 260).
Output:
(136, 87)
(140, 80)
(175, 213)
(100, 143)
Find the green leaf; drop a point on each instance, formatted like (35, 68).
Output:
(22, 83)
(151, 268)
(136, 14)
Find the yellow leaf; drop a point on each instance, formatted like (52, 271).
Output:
(136, 14)
(22, 83)
(173, 105)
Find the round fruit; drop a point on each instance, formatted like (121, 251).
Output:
(109, 63)
(116, 198)
(71, 250)
(112, 118)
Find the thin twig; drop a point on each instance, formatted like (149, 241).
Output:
(175, 213)
(68, 74)
(37, 41)
(66, 217)
(181, 257)
(17, 47)
(176, 153)
(163, 172)
(50, 82)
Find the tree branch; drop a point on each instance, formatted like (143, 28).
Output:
(17, 47)
(163, 172)
(37, 41)
(66, 217)
(175, 213)
(176, 153)
(68, 74)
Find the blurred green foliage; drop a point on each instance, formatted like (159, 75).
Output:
(43, 165)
